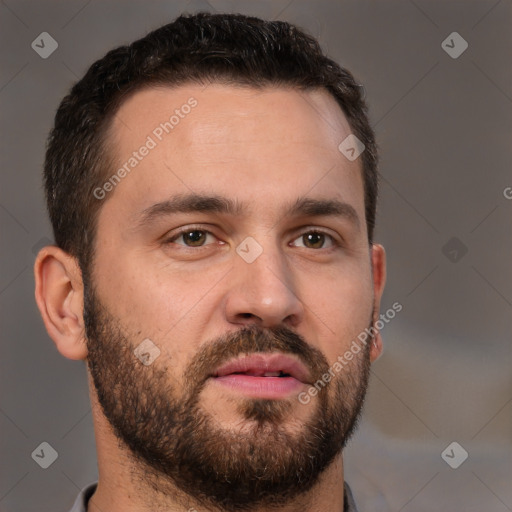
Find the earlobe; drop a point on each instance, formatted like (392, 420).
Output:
(379, 281)
(59, 297)
(377, 347)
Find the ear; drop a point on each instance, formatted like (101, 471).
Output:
(379, 281)
(59, 297)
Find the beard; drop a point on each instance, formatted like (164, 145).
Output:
(176, 444)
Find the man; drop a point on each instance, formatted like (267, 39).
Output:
(212, 189)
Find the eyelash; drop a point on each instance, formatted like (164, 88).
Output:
(188, 229)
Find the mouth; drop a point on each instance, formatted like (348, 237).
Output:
(271, 376)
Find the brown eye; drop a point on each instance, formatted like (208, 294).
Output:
(314, 240)
(192, 238)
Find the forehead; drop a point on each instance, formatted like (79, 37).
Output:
(267, 146)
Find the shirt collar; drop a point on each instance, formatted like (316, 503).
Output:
(85, 494)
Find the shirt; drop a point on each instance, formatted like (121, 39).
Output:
(85, 494)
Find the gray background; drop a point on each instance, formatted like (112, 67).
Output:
(443, 125)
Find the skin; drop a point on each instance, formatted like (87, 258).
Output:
(264, 148)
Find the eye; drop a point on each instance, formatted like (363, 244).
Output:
(314, 240)
(193, 238)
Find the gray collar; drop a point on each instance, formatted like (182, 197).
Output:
(85, 494)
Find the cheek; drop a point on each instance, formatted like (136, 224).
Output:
(342, 307)
(143, 285)
(158, 301)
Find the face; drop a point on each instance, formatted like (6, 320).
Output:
(232, 269)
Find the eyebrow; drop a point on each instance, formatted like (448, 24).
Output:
(198, 203)
(322, 208)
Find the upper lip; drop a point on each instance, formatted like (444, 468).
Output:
(259, 364)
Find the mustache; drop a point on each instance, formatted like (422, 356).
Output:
(253, 339)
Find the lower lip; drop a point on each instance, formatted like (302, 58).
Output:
(261, 387)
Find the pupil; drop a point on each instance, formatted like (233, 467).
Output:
(314, 239)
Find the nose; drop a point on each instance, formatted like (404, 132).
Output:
(263, 293)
